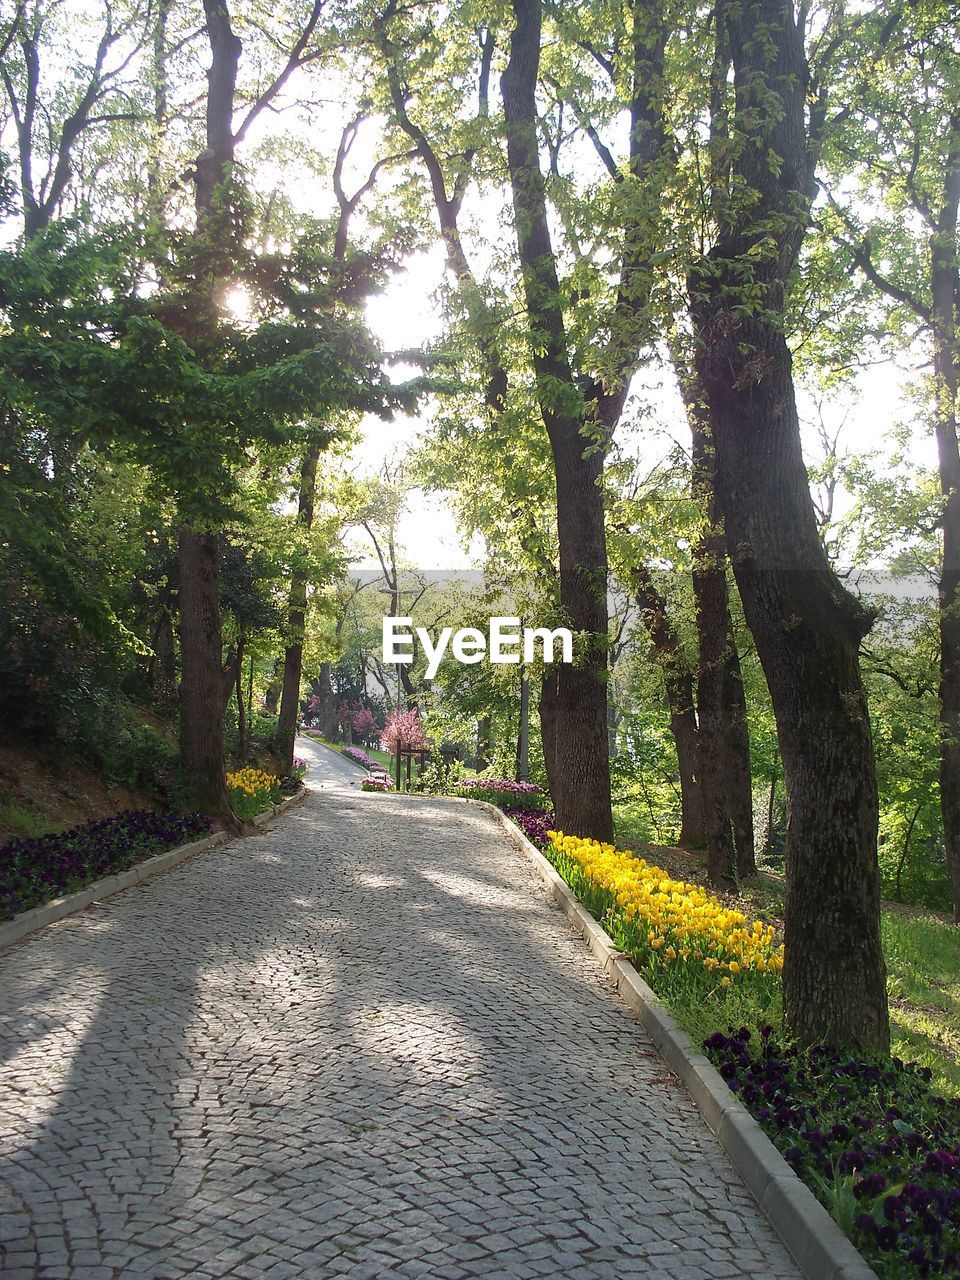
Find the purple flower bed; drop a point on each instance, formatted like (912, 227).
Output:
(32, 871)
(360, 757)
(534, 825)
(869, 1137)
(503, 792)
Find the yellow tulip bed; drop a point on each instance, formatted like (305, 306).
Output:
(678, 933)
(252, 791)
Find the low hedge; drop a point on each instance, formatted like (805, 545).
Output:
(34, 870)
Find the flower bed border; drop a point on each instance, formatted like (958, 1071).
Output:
(817, 1245)
(27, 922)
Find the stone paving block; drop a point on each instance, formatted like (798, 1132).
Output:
(365, 1043)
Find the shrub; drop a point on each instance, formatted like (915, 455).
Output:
(377, 782)
(262, 728)
(32, 871)
(252, 791)
(440, 776)
(141, 758)
(536, 826)
(503, 792)
(868, 1135)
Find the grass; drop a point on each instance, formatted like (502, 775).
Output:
(21, 821)
(923, 984)
(923, 968)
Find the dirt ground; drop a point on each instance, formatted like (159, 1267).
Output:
(39, 786)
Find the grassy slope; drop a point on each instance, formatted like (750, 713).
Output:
(923, 966)
(42, 790)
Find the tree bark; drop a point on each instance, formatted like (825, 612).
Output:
(806, 627)
(547, 712)
(678, 679)
(483, 743)
(201, 685)
(582, 795)
(771, 810)
(296, 618)
(241, 710)
(271, 694)
(163, 666)
(328, 702)
(523, 731)
(724, 743)
(945, 291)
(200, 645)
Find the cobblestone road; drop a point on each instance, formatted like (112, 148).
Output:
(364, 1043)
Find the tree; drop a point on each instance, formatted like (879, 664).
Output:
(581, 711)
(723, 740)
(806, 627)
(403, 731)
(580, 411)
(293, 654)
(217, 253)
(51, 120)
(678, 678)
(900, 135)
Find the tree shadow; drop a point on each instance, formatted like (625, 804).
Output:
(304, 1048)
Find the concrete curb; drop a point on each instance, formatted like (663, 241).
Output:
(27, 922)
(817, 1244)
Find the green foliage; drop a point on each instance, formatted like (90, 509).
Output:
(900, 662)
(22, 821)
(923, 964)
(263, 729)
(137, 756)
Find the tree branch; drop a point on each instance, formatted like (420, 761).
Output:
(297, 58)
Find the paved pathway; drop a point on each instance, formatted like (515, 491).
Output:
(363, 1043)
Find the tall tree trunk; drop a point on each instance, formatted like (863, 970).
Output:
(683, 728)
(271, 694)
(200, 645)
(201, 685)
(523, 730)
(163, 666)
(328, 702)
(228, 677)
(156, 190)
(806, 627)
(250, 704)
(582, 794)
(296, 618)
(724, 743)
(771, 810)
(807, 631)
(678, 679)
(945, 289)
(547, 712)
(241, 710)
(483, 743)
